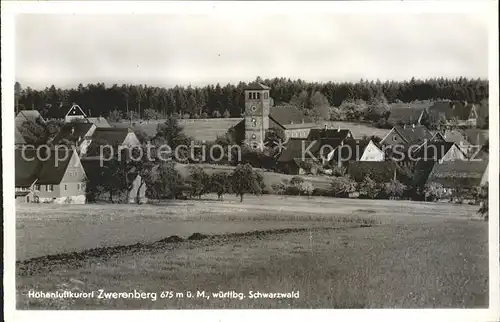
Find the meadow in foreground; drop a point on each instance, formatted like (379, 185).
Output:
(371, 256)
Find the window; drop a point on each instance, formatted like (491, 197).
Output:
(65, 187)
(395, 138)
(258, 96)
(78, 187)
(250, 95)
(50, 187)
(266, 95)
(37, 187)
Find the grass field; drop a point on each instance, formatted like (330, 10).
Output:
(209, 129)
(338, 253)
(201, 129)
(270, 178)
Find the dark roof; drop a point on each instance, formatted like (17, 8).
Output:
(379, 171)
(482, 154)
(477, 136)
(293, 150)
(456, 136)
(98, 121)
(422, 171)
(405, 114)
(52, 171)
(285, 115)
(414, 134)
(18, 137)
(28, 115)
(316, 134)
(324, 146)
(256, 86)
(465, 174)
(57, 111)
(351, 150)
(26, 171)
(73, 131)
(450, 110)
(434, 151)
(112, 136)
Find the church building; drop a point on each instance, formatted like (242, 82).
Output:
(261, 115)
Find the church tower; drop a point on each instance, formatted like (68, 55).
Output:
(257, 106)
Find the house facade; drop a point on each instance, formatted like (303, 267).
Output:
(58, 177)
(75, 113)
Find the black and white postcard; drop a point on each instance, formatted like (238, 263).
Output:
(256, 160)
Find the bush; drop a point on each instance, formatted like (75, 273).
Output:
(279, 188)
(306, 188)
(434, 191)
(394, 189)
(342, 186)
(321, 192)
(369, 188)
(296, 180)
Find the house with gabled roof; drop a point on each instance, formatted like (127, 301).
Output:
(356, 150)
(464, 142)
(410, 135)
(57, 178)
(75, 113)
(477, 136)
(78, 134)
(439, 152)
(463, 175)
(403, 114)
(28, 116)
(115, 137)
(98, 121)
(454, 113)
(27, 167)
(291, 120)
(328, 133)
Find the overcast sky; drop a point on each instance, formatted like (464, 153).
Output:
(198, 49)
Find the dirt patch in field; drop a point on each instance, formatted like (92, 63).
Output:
(48, 263)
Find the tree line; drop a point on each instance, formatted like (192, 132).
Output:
(143, 101)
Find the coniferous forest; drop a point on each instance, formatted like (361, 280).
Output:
(228, 101)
